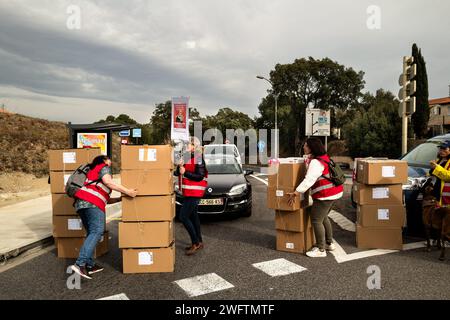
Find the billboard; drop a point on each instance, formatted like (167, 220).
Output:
(93, 140)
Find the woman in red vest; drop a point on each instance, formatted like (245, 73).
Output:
(323, 192)
(193, 174)
(90, 205)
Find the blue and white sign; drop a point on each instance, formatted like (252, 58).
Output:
(137, 133)
(261, 145)
(124, 133)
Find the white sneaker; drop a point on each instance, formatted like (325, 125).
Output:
(330, 247)
(316, 253)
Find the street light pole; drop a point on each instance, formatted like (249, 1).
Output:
(276, 113)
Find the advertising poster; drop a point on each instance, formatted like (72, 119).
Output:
(180, 118)
(93, 140)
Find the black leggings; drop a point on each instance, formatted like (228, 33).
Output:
(190, 218)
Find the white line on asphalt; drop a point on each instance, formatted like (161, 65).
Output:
(278, 267)
(120, 296)
(200, 285)
(263, 181)
(341, 256)
(342, 221)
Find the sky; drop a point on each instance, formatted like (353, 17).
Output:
(127, 56)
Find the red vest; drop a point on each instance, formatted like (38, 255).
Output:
(193, 188)
(323, 188)
(95, 193)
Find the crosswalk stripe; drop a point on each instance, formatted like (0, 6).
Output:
(278, 267)
(342, 221)
(120, 296)
(204, 284)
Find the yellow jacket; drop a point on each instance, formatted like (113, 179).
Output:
(442, 173)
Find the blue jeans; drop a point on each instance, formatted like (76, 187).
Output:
(190, 218)
(94, 222)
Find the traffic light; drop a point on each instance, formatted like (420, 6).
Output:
(408, 87)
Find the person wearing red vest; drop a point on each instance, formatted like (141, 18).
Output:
(323, 192)
(90, 205)
(193, 174)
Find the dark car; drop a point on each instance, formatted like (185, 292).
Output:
(228, 191)
(418, 167)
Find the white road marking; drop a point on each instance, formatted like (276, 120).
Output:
(278, 267)
(201, 285)
(342, 221)
(341, 256)
(120, 296)
(263, 181)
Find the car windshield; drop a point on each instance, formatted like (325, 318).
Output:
(222, 165)
(228, 150)
(422, 154)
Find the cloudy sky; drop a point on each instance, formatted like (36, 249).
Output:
(129, 55)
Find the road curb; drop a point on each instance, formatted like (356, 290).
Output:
(112, 212)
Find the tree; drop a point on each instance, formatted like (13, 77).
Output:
(160, 123)
(320, 84)
(420, 118)
(377, 131)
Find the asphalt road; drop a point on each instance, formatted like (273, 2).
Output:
(233, 245)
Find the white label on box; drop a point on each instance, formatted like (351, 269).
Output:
(280, 193)
(383, 214)
(74, 224)
(66, 177)
(141, 154)
(361, 167)
(69, 157)
(145, 258)
(151, 155)
(388, 171)
(380, 193)
(289, 245)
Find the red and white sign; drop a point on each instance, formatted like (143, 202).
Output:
(180, 119)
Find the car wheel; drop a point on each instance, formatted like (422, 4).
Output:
(247, 213)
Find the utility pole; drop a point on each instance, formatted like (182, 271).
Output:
(408, 101)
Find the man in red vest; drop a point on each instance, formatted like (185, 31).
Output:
(193, 185)
(323, 192)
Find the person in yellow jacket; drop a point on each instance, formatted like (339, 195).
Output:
(440, 168)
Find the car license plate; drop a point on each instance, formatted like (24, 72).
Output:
(211, 202)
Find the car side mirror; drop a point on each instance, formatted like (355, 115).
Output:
(248, 172)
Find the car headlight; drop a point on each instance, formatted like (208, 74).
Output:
(240, 188)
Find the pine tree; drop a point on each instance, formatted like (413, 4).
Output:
(421, 116)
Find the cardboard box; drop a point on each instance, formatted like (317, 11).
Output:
(71, 159)
(277, 199)
(297, 242)
(364, 194)
(70, 247)
(148, 208)
(149, 182)
(62, 205)
(294, 221)
(149, 260)
(381, 215)
(379, 238)
(382, 171)
(289, 175)
(147, 157)
(145, 234)
(58, 180)
(68, 227)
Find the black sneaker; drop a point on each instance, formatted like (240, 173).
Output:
(81, 270)
(94, 269)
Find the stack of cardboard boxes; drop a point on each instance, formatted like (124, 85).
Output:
(68, 229)
(380, 211)
(146, 232)
(293, 226)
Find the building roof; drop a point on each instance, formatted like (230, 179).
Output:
(434, 102)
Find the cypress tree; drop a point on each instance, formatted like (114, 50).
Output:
(421, 116)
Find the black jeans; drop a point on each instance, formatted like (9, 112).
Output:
(190, 218)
